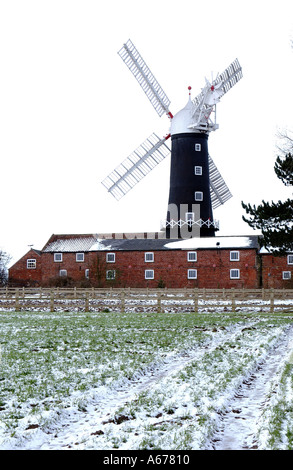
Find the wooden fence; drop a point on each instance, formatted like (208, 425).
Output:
(145, 300)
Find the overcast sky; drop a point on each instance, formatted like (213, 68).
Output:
(70, 110)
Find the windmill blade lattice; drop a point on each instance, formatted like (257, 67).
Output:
(220, 192)
(135, 167)
(145, 78)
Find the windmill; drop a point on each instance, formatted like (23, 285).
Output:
(195, 181)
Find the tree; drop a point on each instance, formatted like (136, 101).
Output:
(275, 219)
(4, 260)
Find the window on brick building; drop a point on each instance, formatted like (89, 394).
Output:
(110, 257)
(286, 275)
(192, 274)
(234, 273)
(110, 274)
(87, 273)
(149, 257)
(63, 273)
(290, 259)
(79, 257)
(57, 257)
(191, 256)
(31, 263)
(149, 274)
(234, 256)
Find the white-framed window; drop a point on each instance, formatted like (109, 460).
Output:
(58, 257)
(63, 273)
(197, 147)
(31, 263)
(286, 275)
(87, 273)
(79, 257)
(110, 257)
(110, 274)
(191, 256)
(149, 257)
(198, 195)
(198, 170)
(149, 274)
(290, 259)
(234, 273)
(192, 274)
(234, 256)
(189, 217)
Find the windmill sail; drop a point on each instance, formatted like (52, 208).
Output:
(145, 78)
(135, 167)
(220, 192)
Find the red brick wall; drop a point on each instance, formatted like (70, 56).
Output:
(272, 272)
(20, 275)
(75, 270)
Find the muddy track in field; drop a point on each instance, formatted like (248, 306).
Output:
(77, 426)
(239, 425)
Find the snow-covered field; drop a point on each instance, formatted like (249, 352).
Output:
(99, 380)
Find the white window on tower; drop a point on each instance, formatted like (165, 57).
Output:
(198, 195)
(189, 217)
(197, 147)
(198, 170)
(290, 259)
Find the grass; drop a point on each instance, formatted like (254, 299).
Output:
(50, 361)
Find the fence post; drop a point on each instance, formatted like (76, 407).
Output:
(17, 300)
(159, 302)
(86, 301)
(52, 301)
(272, 301)
(122, 301)
(233, 300)
(195, 299)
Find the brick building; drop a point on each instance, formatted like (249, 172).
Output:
(149, 260)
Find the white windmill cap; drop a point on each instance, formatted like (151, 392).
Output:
(183, 119)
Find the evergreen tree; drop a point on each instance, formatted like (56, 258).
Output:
(275, 219)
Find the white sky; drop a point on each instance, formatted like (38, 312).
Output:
(70, 110)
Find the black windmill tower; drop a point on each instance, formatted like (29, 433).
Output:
(196, 186)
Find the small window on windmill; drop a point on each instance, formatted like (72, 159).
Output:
(197, 147)
(198, 170)
(198, 195)
(189, 217)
